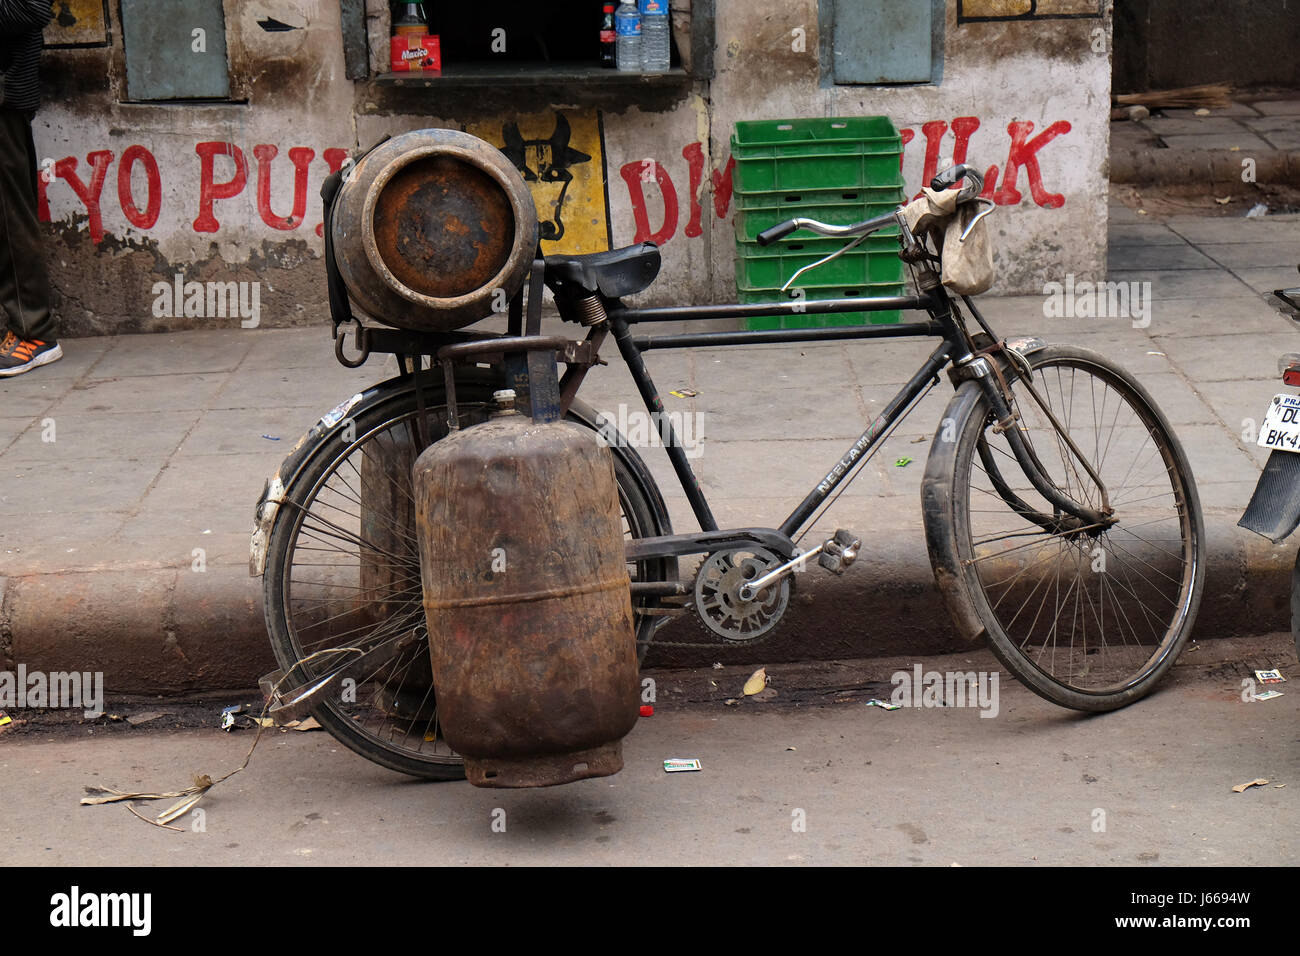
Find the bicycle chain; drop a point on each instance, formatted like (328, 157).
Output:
(689, 609)
(718, 643)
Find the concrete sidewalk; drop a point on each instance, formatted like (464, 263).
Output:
(135, 456)
(1179, 148)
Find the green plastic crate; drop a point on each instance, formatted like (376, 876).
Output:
(810, 171)
(874, 260)
(827, 153)
(805, 198)
(809, 320)
(780, 132)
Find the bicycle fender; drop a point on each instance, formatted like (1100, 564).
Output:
(937, 512)
(268, 504)
(1274, 509)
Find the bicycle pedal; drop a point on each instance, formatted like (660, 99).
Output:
(840, 551)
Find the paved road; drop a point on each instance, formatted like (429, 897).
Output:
(927, 786)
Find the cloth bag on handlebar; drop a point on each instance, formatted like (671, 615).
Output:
(966, 266)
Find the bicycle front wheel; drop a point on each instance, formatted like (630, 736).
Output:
(1090, 617)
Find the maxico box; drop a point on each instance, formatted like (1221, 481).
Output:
(416, 53)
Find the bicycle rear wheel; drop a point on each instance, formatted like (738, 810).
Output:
(342, 578)
(1089, 618)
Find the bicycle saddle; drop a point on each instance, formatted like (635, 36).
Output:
(613, 274)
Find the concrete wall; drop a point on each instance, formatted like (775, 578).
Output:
(133, 201)
(139, 193)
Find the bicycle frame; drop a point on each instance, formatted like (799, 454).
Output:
(955, 348)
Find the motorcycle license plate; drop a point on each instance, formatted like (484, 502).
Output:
(1281, 428)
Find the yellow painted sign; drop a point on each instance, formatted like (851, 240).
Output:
(78, 22)
(561, 157)
(1027, 9)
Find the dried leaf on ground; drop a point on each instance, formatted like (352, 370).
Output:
(135, 720)
(100, 795)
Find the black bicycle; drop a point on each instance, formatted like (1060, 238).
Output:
(1061, 516)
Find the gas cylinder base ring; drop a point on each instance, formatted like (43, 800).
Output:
(546, 770)
(717, 594)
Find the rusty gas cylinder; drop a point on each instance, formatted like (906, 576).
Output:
(527, 599)
(433, 230)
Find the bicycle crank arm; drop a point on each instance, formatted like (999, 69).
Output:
(837, 554)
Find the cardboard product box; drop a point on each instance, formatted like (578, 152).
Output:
(416, 53)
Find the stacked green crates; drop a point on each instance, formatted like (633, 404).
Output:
(837, 170)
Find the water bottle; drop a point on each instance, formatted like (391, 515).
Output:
(628, 24)
(655, 29)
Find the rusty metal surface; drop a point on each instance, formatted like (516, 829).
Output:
(535, 665)
(444, 227)
(432, 230)
(546, 770)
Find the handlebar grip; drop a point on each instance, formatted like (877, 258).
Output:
(779, 231)
(951, 176)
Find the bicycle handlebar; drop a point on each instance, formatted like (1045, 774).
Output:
(863, 228)
(970, 189)
(779, 231)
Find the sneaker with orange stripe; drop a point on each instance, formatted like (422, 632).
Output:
(18, 355)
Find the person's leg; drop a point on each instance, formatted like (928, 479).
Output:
(24, 281)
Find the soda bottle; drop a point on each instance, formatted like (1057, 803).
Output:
(655, 30)
(608, 35)
(627, 22)
(410, 20)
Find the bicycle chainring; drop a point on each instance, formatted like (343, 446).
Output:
(717, 594)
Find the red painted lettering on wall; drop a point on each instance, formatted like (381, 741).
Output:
(962, 129)
(722, 188)
(125, 196)
(300, 156)
(933, 132)
(144, 210)
(334, 157)
(693, 153)
(66, 169)
(634, 174)
(42, 197)
(209, 189)
(1024, 153)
